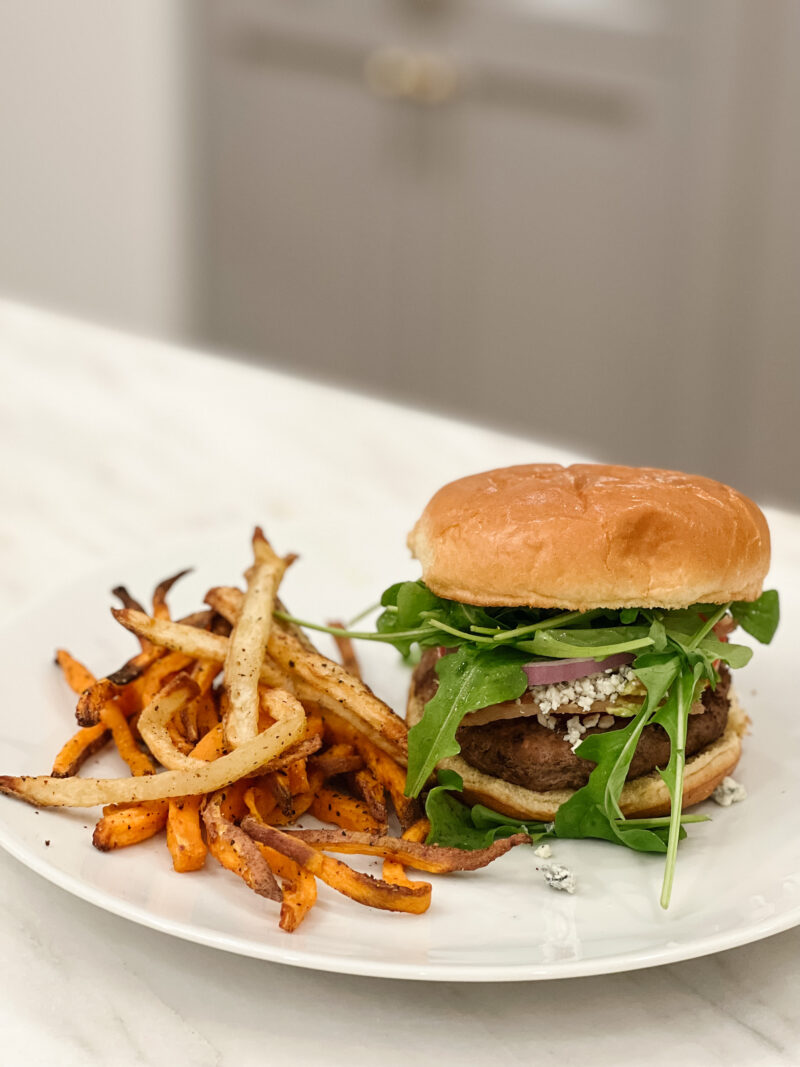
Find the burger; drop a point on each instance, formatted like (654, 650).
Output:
(572, 627)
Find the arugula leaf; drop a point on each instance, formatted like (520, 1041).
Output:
(599, 643)
(594, 811)
(674, 718)
(455, 825)
(759, 617)
(470, 678)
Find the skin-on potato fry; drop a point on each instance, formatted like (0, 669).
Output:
(366, 786)
(168, 702)
(435, 859)
(249, 639)
(317, 678)
(46, 791)
(362, 888)
(332, 805)
(237, 851)
(347, 654)
(299, 887)
(129, 824)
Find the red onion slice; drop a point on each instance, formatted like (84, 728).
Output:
(548, 672)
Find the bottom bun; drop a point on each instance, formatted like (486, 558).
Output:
(645, 797)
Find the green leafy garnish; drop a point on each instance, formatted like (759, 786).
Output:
(759, 617)
(676, 652)
(469, 679)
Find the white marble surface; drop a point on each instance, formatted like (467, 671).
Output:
(110, 443)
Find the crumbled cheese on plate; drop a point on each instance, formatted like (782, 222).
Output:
(728, 792)
(558, 877)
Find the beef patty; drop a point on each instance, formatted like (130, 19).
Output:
(526, 753)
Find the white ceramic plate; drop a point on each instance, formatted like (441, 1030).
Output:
(738, 877)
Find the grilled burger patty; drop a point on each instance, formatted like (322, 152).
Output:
(526, 753)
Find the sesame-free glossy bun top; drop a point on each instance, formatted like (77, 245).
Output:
(590, 535)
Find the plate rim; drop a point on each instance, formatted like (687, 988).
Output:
(42, 866)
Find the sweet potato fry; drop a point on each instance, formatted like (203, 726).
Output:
(184, 836)
(84, 743)
(362, 888)
(435, 859)
(248, 640)
(366, 786)
(338, 759)
(332, 805)
(160, 608)
(46, 791)
(299, 897)
(347, 654)
(76, 675)
(237, 851)
(129, 824)
(138, 761)
(159, 673)
(88, 739)
(393, 870)
(128, 601)
(278, 785)
(387, 771)
(297, 774)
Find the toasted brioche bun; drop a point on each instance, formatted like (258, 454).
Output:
(643, 797)
(591, 536)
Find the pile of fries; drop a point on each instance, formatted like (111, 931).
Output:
(232, 726)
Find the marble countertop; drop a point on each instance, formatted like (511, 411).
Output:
(110, 443)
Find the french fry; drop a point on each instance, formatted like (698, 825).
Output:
(387, 771)
(299, 885)
(319, 679)
(84, 743)
(366, 786)
(168, 702)
(195, 643)
(46, 791)
(237, 851)
(129, 824)
(435, 859)
(248, 640)
(159, 673)
(332, 805)
(160, 608)
(278, 785)
(338, 759)
(347, 654)
(297, 774)
(128, 601)
(299, 897)
(362, 888)
(393, 870)
(88, 739)
(184, 836)
(138, 761)
(76, 675)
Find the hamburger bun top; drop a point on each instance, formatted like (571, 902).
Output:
(591, 536)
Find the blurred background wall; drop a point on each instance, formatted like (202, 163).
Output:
(573, 218)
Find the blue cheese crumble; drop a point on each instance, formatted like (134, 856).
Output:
(583, 692)
(559, 877)
(728, 792)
